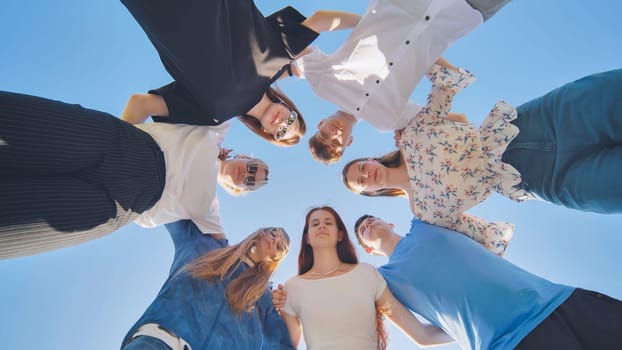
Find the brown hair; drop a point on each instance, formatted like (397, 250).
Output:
(242, 292)
(346, 254)
(390, 160)
(323, 152)
(357, 224)
(255, 125)
(345, 248)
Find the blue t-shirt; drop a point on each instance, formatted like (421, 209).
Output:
(197, 311)
(478, 298)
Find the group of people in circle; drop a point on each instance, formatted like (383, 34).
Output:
(72, 174)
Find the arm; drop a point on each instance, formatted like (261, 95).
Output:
(293, 326)
(457, 117)
(446, 82)
(279, 298)
(443, 63)
(422, 334)
(275, 331)
(326, 21)
(494, 236)
(140, 106)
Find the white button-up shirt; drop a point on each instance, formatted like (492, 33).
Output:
(192, 166)
(373, 74)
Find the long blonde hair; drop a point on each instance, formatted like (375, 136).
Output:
(242, 292)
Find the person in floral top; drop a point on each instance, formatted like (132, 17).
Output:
(567, 152)
(444, 166)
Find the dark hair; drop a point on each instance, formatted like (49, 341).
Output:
(390, 160)
(347, 254)
(255, 125)
(323, 152)
(358, 223)
(345, 249)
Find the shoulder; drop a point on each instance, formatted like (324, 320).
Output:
(369, 271)
(293, 282)
(365, 267)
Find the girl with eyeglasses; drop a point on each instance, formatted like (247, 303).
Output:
(71, 174)
(224, 56)
(216, 296)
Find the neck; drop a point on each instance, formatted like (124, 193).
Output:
(398, 177)
(325, 260)
(346, 117)
(223, 164)
(388, 244)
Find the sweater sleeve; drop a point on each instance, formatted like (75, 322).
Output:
(296, 37)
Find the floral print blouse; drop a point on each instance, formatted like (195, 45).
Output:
(453, 166)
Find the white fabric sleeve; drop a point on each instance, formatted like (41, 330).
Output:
(220, 131)
(289, 306)
(209, 223)
(377, 281)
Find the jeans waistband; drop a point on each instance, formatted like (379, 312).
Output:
(167, 337)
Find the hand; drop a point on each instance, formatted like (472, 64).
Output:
(279, 297)
(397, 136)
(223, 153)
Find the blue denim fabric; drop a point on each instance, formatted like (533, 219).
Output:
(197, 311)
(569, 149)
(146, 343)
(488, 8)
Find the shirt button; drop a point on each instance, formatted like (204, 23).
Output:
(407, 42)
(390, 63)
(367, 94)
(427, 18)
(358, 109)
(377, 81)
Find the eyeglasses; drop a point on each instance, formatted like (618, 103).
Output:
(251, 168)
(285, 125)
(281, 131)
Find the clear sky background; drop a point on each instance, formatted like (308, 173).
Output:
(93, 53)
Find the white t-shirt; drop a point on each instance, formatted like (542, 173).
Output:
(337, 313)
(373, 74)
(192, 166)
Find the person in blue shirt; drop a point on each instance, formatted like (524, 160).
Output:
(482, 300)
(216, 295)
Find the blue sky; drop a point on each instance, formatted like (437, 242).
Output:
(94, 54)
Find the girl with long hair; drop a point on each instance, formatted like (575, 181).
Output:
(224, 56)
(560, 147)
(71, 174)
(339, 302)
(444, 175)
(216, 296)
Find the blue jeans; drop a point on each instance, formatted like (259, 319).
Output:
(488, 8)
(146, 343)
(569, 149)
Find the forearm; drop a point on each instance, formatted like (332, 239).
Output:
(140, 106)
(327, 20)
(402, 318)
(443, 62)
(423, 334)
